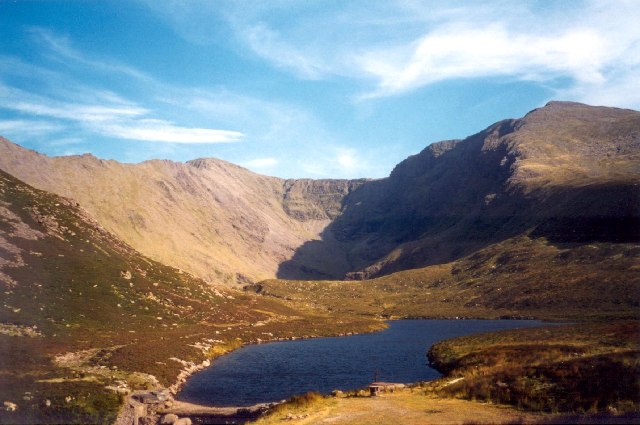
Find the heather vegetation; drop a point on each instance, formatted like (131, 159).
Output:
(86, 318)
(521, 277)
(583, 368)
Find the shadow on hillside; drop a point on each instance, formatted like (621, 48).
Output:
(599, 213)
(451, 200)
(428, 196)
(324, 259)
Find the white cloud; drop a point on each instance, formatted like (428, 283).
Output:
(153, 130)
(29, 127)
(472, 52)
(120, 120)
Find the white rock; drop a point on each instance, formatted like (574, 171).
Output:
(169, 419)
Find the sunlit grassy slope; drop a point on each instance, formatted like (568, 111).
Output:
(411, 406)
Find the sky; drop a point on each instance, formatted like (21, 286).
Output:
(308, 88)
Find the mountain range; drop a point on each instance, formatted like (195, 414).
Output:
(124, 276)
(566, 172)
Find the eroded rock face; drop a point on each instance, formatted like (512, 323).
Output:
(306, 199)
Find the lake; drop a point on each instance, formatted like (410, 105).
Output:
(278, 370)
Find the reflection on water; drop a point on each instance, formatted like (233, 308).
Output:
(279, 370)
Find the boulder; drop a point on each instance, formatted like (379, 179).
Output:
(169, 419)
(10, 407)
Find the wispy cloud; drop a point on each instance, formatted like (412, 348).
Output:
(267, 43)
(63, 49)
(454, 52)
(30, 127)
(153, 130)
(400, 46)
(273, 124)
(281, 131)
(70, 102)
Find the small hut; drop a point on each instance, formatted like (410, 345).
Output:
(377, 387)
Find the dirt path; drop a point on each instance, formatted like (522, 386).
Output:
(401, 407)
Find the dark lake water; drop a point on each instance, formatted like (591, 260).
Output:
(278, 370)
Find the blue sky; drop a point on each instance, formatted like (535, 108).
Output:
(308, 88)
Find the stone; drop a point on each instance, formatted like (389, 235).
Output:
(169, 419)
(183, 421)
(10, 407)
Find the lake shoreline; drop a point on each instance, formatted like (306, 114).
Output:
(389, 322)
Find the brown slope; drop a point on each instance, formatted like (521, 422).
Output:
(209, 217)
(83, 316)
(567, 171)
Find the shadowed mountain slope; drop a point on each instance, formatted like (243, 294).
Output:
(568, 172)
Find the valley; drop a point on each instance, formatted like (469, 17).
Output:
(133, 276)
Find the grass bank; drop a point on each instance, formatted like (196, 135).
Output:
(585, 368)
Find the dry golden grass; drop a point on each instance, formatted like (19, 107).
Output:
(407, 407)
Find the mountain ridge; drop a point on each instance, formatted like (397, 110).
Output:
(231, 213)
(459, 196)
(224, 223)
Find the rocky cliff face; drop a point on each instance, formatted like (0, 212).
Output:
(566, 172)
(306, 199)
